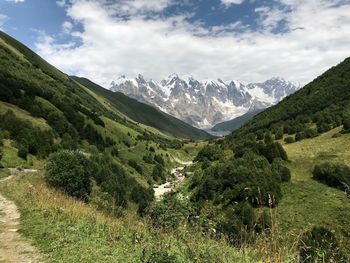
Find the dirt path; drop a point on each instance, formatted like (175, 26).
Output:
(13, 247)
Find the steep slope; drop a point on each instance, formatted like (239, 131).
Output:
(232, 125)
(205, 103)
(48, 89)
(146, 114)
(325, 102)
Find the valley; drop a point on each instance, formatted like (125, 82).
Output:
(92, 175)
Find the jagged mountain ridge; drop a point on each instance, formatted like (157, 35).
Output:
(204, 104)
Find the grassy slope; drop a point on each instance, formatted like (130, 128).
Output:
(70, 231)
(30, 66)
(306, 202)
(22, 114)
(146, 114)
(328, 91)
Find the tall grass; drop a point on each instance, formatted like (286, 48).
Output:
(67, 230)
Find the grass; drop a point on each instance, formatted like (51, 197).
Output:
(306, 202)
(22, 114)
(10, 158)
(4, 173)
(66, 230)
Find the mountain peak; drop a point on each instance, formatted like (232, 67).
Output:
(203, 103)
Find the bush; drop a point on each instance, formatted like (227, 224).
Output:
(249, 178)
(159, 159)
(320, 245)
(324, 127)
(300, 136)
(136, 166)
(333, 174)
(158, 173)
(209, 152)
(310, 133)
(143, 197)
(71, 172)
(346, 124)
(22, 151)
(273, 151)
(279, 134)
(279, 168)
(268, 138)
(148, 159)
(170, 212)
(289, 139)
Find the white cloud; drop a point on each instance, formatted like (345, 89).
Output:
(67, 27)
(318, 38)
(61, 3)
(15, 1)
(232, 2)
(3, 19)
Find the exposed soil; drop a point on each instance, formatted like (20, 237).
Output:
(14, 248)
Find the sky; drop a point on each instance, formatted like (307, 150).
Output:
(245, 40)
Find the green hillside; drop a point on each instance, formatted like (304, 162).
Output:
(44, 113)
(290, 160)
(146, 114)
(275, 190)
(236, 123)
(324, 102)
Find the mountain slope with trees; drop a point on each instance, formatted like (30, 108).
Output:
(324, 102)
(236, 123)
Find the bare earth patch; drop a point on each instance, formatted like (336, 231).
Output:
(13, 247)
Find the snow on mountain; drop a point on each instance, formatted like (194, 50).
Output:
(205, 103)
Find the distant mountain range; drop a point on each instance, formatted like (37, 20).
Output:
(204, 104)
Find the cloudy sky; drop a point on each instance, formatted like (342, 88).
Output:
(247, 40)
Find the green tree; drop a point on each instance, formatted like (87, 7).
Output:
(158, 173)
(70, 171)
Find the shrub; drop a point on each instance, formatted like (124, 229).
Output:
(274, 150)
(136, 166)
(148, 159)
(333, 174)
(71, 172)
(151, 149)
(324, 127)
(170, 212)
(268, 138)
(310, 133)
(209, 152)
(249, 178)
(143, 197)
(23, 150)
(289, 139)
(279, 168)
(279, 134)
(158, 173)
(299, 136)
(346, 124)
(114, 151)
(159, 159)
(112, 178)
(320, 245)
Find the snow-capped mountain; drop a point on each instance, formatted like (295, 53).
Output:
(205, 103)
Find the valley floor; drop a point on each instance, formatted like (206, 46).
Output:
(66, 230)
